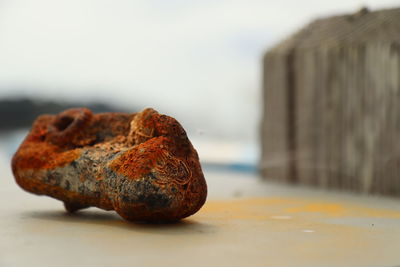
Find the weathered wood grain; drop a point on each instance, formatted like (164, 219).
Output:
(332, 105)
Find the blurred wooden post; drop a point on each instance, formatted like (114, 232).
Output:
(331, 112)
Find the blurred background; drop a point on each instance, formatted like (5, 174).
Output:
(198, 61)
(300, 92)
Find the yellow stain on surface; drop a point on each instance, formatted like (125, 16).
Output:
(265, 208)
(250, 208)
(324, 208)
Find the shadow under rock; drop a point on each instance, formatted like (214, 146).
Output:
(104, 218)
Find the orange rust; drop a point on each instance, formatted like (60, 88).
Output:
(141, 165)
(47, 156)
(139, 160)
(36, 153)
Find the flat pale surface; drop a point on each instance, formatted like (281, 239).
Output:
(245, 222)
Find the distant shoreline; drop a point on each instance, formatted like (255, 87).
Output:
(16, 113)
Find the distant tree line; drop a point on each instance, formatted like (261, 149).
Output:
(20, 113)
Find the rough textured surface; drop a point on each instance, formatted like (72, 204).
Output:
(141, 165)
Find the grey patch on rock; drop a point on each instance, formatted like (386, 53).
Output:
(143, 191)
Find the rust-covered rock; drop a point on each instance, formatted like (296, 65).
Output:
(141, 165)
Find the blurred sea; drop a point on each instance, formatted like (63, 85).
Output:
(9, 142)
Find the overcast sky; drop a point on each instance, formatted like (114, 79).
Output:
(196, 60)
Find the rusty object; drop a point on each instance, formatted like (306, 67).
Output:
(141, 165)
